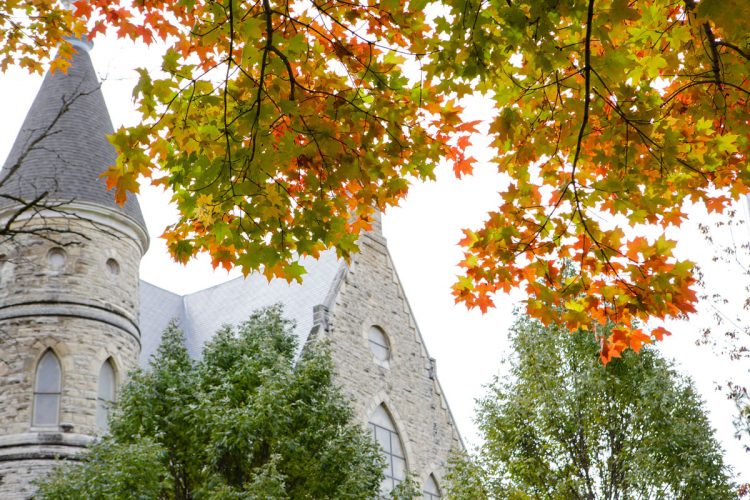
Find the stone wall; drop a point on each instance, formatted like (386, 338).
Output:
(78, 296)
(371, 294)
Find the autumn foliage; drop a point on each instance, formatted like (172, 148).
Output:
(611, 117)
(280, 126)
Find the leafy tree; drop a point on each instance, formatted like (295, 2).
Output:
(245, 421)
(565, 426)
(280, 125)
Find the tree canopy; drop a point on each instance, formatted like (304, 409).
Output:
(245, 421)
(280, 126)
(562, 425)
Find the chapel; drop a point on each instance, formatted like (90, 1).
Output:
(75, 316)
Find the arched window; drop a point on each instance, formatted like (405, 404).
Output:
(387, 437)
(105, 395)
(47, 388)
(431, 490)
(379, 343)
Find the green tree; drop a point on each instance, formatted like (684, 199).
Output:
(565, 426)
(246, 421)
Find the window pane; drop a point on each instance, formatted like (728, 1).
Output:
(48, 374)
(102, 414)
(107, 382)
(379, 352)
(377, 336)
(383, 437)
(386, 486)
(399, 468)
(396, 446)
(431, 490)
(46, 409)
(378, 343)
(380, 417)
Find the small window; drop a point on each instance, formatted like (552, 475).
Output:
(386, 435)
(379, 344)
(105, 395)
(431, 490)
(47, 388)
(113, 267)
(56, 258)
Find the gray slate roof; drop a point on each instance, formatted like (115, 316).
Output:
(62, 146)
(202, 313)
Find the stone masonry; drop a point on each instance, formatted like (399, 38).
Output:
(370, 294)
(83, 304)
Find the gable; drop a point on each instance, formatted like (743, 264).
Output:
(370, 294)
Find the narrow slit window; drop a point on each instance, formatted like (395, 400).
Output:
(105, 395)
(47, 389)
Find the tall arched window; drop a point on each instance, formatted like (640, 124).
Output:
(47, 388)
(105, 395)
(387, 437)
(431, 490)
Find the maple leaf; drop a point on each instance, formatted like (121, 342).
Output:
(637, 338)
(83, 9)
(660, 332)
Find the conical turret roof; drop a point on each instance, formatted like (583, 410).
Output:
(62, 147)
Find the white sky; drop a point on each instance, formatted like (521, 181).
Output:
(422, 236)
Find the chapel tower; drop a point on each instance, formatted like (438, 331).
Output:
(69, 299)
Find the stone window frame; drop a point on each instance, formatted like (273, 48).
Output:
(112, 268)
(437, 494)
(389, 456)
(39, 348)
(373, 344)
(62, 268)
(4, 264)
(36, 393)
(113, 255)
(104, 405)
(366, 326)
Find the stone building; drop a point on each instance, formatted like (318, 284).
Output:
(75, 318)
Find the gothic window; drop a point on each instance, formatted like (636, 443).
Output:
(431, 490)
(379, 344)
(387, 437)
(47, 388)
(106, 395)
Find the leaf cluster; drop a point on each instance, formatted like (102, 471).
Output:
(611, 118)
(279, 125)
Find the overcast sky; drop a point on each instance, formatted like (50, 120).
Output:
(422, 236)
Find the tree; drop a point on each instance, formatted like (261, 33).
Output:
(281, 125)
(562, 425)
(245, 421)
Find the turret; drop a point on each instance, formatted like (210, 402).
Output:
(68, 280)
